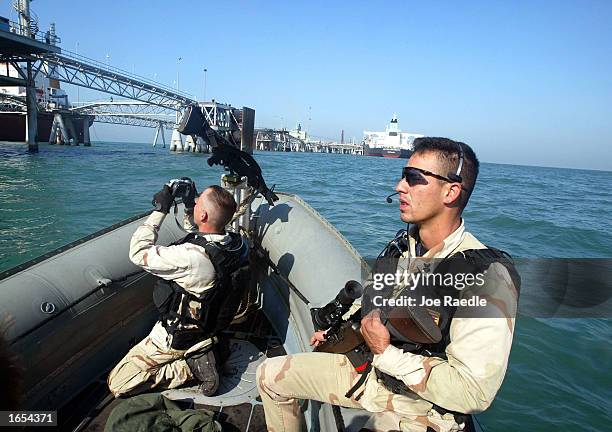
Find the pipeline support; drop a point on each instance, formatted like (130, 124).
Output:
(31, 112)
(86, 138)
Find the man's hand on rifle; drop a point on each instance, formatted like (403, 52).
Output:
(374, 332)
(317, 338)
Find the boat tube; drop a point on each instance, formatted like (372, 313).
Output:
(77, 310)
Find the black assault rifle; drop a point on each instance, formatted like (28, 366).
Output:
(406, 324)
(225, 153)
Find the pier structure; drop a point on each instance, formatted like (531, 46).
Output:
(19, 42)
(26, 53)
(282, 140)
(130, 113)
(342, 148)
(77, 70)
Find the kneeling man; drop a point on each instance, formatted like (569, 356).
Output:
(194, 293)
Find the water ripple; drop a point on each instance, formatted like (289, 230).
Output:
(558, 376)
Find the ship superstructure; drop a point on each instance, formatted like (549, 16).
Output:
(49, 94)
(33, 107)
(50, 99)
(391, 143)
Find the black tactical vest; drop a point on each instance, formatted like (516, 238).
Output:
(217, 305)
(473, 261)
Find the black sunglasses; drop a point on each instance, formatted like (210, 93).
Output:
(414, 176)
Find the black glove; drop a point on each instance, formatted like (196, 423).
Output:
(189, 198)
(162, 200)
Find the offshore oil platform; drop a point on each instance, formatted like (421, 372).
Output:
(34, 108)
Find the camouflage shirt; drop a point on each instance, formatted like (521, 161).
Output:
(186, 264)
(477, 355)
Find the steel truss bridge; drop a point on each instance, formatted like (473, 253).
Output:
(148, 99)
(131, 113)
(78, 70)
(151, 104)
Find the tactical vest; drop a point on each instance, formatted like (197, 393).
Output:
(473, 261)
(216, 306)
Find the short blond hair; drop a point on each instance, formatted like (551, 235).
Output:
(223, 206)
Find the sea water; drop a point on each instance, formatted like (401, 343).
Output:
(558, 377)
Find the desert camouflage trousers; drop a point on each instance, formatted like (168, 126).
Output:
(149, 365)
(283, 381)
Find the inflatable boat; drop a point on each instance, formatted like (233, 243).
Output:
(76, 311)
(73, 313)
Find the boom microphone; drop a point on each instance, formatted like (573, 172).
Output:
(389, 200)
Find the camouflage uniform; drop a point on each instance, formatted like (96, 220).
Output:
(466, 382)
(152, 363)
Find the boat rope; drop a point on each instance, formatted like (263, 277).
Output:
(244, 204)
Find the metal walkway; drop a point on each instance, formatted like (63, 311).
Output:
(11, 103)
(25, 53)
(131, 113)
(81, 71)
(18, 46)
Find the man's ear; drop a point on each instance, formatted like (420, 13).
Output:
(453, 194)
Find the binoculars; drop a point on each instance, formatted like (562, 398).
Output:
(182, 188)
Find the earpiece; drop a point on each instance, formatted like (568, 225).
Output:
(456, 177)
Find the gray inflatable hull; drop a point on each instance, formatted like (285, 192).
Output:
(76, 312)
(312, 255)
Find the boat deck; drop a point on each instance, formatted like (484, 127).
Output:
(237, 405)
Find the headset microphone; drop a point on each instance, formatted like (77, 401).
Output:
(389, 200)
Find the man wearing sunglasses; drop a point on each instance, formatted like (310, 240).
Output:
(415, 386)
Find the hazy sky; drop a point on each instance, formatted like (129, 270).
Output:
(526, 82)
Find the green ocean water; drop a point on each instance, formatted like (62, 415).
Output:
(558, 377)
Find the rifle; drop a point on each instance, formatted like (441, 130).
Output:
(406, 324)
(343, 337)
(224, 152)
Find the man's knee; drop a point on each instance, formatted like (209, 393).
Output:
(260, 375)
(116, 383)
(116, 386)
(125, 377)
(270, 376)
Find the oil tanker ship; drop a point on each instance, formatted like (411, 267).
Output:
(392, 143)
